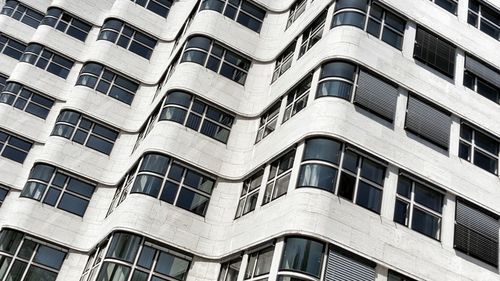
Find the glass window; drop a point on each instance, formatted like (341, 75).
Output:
(25, 99)
(259, 263)
(268, 122)
(302, 255)
(485, 18)
(312, 34)
(48, 60)
(435, 52)
(279, 177)
(449, 5)
(69, 24)
(11, 47)
(243, 12)
(295, 11)
(126, 36)
(296, 99)
(59, 189)
(230, 270)
(159, 7)
(394, 276)
(482, 78)
(22, 13)
(386, 26)
(249, 194)
(419, 207)
(348, 12)
(3, 193)
(13, 147)
(284, 61)
(479, 148)
(336, 79)
(85, 131)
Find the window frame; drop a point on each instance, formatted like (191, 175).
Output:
(6, 143)
(58, 22)
(11, 11)
(295, 11)
(473, 147)
(34, 59)
(272, 179)
(268, 121)
(20, 95)
(249, 191)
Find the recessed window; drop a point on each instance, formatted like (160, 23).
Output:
(485, 18)
(127, 37)
(48, 60)
(241, 11)
(296, 99)
(448, 5)
(159, 7)
(419, 206)
(476, 232)
(435, 52)
(479, 148)
(22, 13)
(66, 23)
(132, 257)
(361, 179)
(169, 180)
(11, 47)
(279, 177)
(3, 80)
(259, 264)
(312, 34)
(284, 61)
(302, 255)
(482, 78)
(58, 188)
(190, 111)
(4, 190)
(13, 147)
(295, 11)
(108, 82)
(395, 276)
(249, 194)
(230, 270)
(27, 256)
(25, 99)
(83, 130)
(212, 55)
(268, 122)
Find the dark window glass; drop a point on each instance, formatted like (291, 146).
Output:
(302, 255)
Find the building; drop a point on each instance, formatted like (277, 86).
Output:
(231, 140)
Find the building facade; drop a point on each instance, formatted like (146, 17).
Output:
(231, 140)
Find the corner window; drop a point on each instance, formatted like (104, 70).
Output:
(22, 13)
(361, 179)
(279, 177)
(67, 23)
(27, 258)
(485, 18)
(107, 82)
(482, 78)
(479, 148)
(249, 194)
(159, 7)
(435, 52)
(25, 99)
(212, 55)
(13, 147)
(268, 122)
(296, 99)
(302, 255)
(242, 11)
(295, 11)
(48, 60)
(349, 12)
(419, 206)
(336, 79)
(58, 188)
(127, 37)
(81, 129)
(284, 61)
(230, 270)
(259, 264)
(11, 47)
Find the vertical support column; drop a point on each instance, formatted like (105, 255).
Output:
(296, 166)
(328, 19)
(381, 273)
(459, 67)
(314, 86)
(399, 117)
(409, 39)
(448, 221)
(278, 249)
(454, 136)
(243, 267)
(262, 190)
(462, 10)
(390, 188)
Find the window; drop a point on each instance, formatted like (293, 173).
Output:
(373, 18)
(45, 59)
(147, 127)
(284, 61)
(81, 129)
(58, 188)
(126, 36)
(302, 255)
(11, 47)
(242, 11)
(336, 79)
(66, 23)
(249, 194)
(159, 7)
(428, 122)
(448, 5)
(479, 148)
(279, 177)
(4, 190)
(3, 80)
(22, 13)
(395, 276)
(26, 258)
(485, 18)
(296, 99)
(135, 257)
(418, 206)
(13, 147)
(25, 99)
(108, 82)
(190, 111)
(312, 34)
(434, 52)
(361, 178)
(268, 122)
(482, 78)
(212, 55)
(476, 232)
(259, 264)
(344, 263)
(230, 270)
(170, 181)
(295, 11)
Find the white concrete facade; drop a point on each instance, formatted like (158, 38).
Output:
(217, 237)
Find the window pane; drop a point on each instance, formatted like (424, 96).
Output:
(322, 149)
(113, 272)
(73, 204)
(401, 212)
(425, 223)
(124, 246)
(316, 175)
(50, 257)
(369, 197)
(192, 201)
(147, 184)
(302, 255)
(428, 197)
(172, 266)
